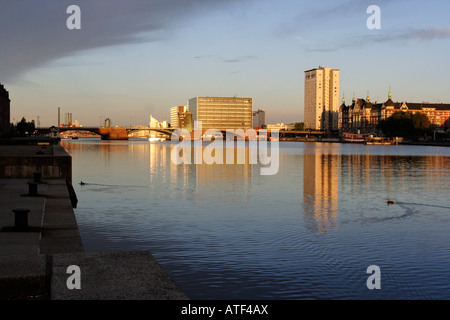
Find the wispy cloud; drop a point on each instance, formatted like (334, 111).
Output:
(235, 59)
(206, 56)
(416, 34)
(240, 59)
(428, 34)
(312, 15)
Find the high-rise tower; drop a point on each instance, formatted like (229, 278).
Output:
(322, 99)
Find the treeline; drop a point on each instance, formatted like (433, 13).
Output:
(406, 124)
(23, 128)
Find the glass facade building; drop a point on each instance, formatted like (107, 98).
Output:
(222, 113)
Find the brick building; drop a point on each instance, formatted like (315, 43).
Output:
(363, 115)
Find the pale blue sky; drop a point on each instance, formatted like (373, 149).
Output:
(137, 58)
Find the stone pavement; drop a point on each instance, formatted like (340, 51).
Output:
(34, 261)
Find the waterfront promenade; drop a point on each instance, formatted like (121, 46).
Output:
(34, 260)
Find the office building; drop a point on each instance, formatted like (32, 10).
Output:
(321, 99)
(259, 119)
(176, 115)
(222, 113)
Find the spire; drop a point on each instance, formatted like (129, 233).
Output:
(368, 98)
(390, 94)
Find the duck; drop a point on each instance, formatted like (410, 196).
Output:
(390, 202)
(82, 183)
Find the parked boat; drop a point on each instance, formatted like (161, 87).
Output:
(354, 137)
(380, 141)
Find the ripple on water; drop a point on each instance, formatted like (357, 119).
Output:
(310, 232)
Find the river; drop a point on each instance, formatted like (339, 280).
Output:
(310, 231)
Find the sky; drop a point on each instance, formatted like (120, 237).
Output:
(136, 58)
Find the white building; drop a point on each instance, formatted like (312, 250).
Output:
(280, 126)
(154, 123)
(322, 99)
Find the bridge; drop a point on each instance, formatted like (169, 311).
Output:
(122, 133)
(108, 133)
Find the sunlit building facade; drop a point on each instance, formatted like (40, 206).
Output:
(362, 115)
(176, 115)
(222, 113)
(321, 99)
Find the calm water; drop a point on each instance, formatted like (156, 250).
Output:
(308, 232)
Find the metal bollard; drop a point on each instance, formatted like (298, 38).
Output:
(37, 177)
(32, 189)
(21, 218)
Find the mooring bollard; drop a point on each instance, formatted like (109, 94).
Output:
(37, 177)
(21, 218)
(32, 189)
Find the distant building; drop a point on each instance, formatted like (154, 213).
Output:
(222, 113)
(68, 120)
(186, 121)
(176, 115)
(321, 99)
(5, 105)
(280, 126)
(259, 119)
(153, 123)
(364, 116)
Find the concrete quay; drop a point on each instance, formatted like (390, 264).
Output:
(36, 253)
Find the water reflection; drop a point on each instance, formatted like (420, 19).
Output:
(320, 191)
(217, 181)
(325, 175)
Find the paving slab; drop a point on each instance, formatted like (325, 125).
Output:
(126, 275)
(23, 277)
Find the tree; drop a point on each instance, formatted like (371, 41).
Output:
(421, 123)
(300, 126)
(405, 124)
(23, 127)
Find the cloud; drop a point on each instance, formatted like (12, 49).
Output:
(206, 56)
(398, 37)
(313, 14)
(240, 59)
(35, 32)
(227, 60)
(417, 34)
